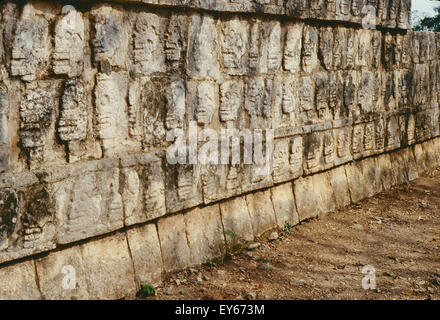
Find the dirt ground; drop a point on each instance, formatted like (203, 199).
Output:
(396, 232)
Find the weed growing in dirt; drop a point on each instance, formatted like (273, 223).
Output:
(233, 243)
(147, 290)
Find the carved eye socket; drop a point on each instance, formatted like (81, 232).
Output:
(105, 100)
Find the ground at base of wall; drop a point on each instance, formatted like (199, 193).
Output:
(397, 232)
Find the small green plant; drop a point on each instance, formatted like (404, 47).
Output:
(287, 227)
(147, 290)
(211, 264)
(233, 244)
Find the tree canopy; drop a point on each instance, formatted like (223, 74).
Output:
(430, 23)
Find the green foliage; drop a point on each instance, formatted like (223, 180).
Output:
(286, 228)
(233, 244)
(147, 290)
(430, 23)
(211, 264)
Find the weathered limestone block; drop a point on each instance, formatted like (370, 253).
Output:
(148, 48)
(31, 45)
(365, 93)
(110, 37)
(288, 159)
(351, 53)
(231, 102)
(385, 174)
(310, 49)
(326, 38)
(391, 14)
(343, 140)
(314, 196)
(234, 45)
(392, 138)
(112, 122)
(420, 91)
(61, 275)
(73, 121)
(256, 176)
(404, 166)
(350, 94)
(432, 154)
(284, 205)
(404, 14)
(236, 218)
(19, 282)
(313, 152)
(143, 190)
(389, 91)
(286, 118)
(339, 47)
(38, 111)
(109, 268)
(358, 140)
(363, 179)
(261, 211)
(202, 102)
(376, 49)
(258, 102)
(329, 149)
(87, 200)
(264, 47)
(338, 181)
(176, 41)
(204, 231)
(154, 103)
(322, 96)
(221, 182)
(306, 93)
(271, 47)
(281, 165)
(203, 60)
(68, 56)
(364, 52)
(184, 187)
(145, 251)
(292, 47)
(175, 109)
(336, 89)
(4, 129)
(27, 218)
(176, 253)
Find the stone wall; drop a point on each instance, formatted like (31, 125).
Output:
(90, 92)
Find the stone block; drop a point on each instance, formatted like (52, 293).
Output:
(61, 275)
(314, 196)
(88, 204)
(27, 219)
(338, 181)
(363, 179)
(145, 251)
(235, 218)
(384, 166)
(284, 204)
(18, 282)
(261, 211)
(109, 268)
(204, 231)
(176, 254)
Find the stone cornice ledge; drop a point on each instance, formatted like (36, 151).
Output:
(393, 14)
